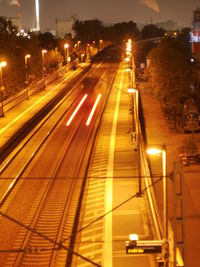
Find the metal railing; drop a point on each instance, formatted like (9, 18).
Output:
(15, 100)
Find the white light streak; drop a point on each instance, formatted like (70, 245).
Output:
(93, 110)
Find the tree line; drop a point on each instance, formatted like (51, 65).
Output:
(14, 47)
(170, 76)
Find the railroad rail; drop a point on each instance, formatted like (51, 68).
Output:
(55, 209)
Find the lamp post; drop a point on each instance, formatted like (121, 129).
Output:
(163, 152)
(78, 43)
(82, 57)
(66, 50)
(137, 123)
(88, 52)
(130, 61)
(100, 44)
(131, 91)
(2, 64)
(26, 69)
(44, 51)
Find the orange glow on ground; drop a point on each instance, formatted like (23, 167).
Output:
(93, 110)
(76, 110)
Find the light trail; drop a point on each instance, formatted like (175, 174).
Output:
(93, 110)
(76, 110)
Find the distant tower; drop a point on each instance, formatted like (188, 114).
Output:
(37, 15)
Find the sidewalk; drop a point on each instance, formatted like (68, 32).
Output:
(157, 132)
(16, 118)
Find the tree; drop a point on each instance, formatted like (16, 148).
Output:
(8, 35)
(93, 30)
(170, 76)
(47, 40)
(52, 59)
(88, 30)
(151, 31)
(184, 36)
(10, 49)
(124, 30)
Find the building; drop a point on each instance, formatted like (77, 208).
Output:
(64, 26)
(195, 34)
(195, 44)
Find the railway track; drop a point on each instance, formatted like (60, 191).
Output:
(54, 211)
(23, 155)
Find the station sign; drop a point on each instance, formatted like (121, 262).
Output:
(144, 247)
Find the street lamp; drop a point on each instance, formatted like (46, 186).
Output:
(131, 91)
(130, 60)
(44, 51)
(137, 123)
(82, 57)
(88, 51)
(2, 64)
(26, 69)
(127, 59)
(66, 49)
(162, 151)
(78, 45)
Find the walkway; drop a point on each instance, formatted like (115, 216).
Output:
(158, 133)
(113, 178)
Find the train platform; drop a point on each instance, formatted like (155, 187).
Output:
(112, 209)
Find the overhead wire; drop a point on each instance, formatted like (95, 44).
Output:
(60, 244)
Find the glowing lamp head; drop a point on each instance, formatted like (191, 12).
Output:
(127, 59)
(154, 151)
(128, 70)
(27, 56)
(44, 51)
(3, 63)
(66, 46)
(132, 90)
(134, 237)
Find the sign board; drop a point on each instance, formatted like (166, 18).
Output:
(149, 247)
(143, 249)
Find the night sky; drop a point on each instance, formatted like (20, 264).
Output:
(108, 11)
